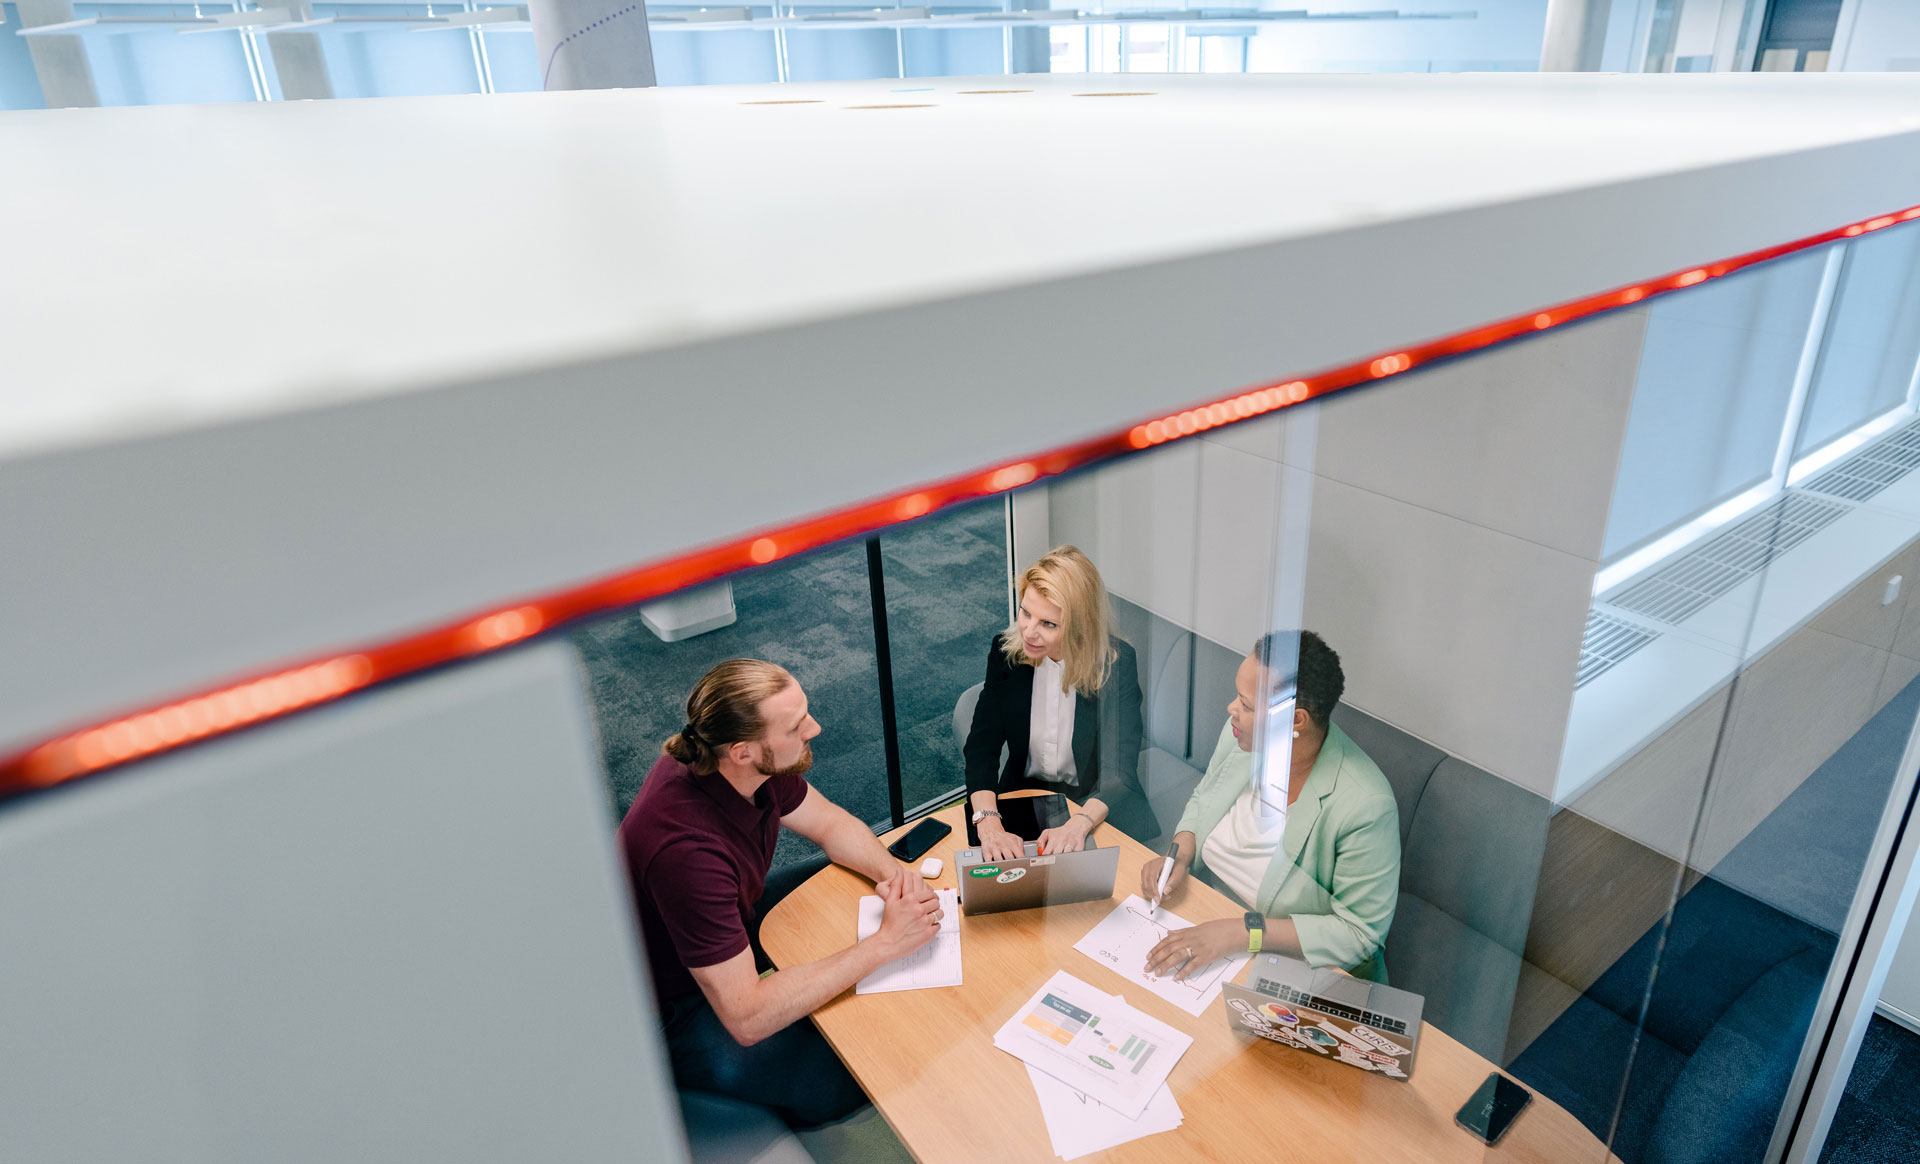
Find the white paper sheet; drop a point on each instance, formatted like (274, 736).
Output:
(1078, 1124)
(935, 964)
(1121, 942)
(1093, 1042)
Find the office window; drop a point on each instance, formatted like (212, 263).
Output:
(512, 64)
(704, 58)
(842, 56)
(1713, 392)
(158, 65)
(1872, 343)
(957, 53)
(19, 84)
(365, 60)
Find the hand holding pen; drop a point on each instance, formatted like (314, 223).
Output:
(1163, 875)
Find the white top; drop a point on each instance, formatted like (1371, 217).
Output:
(1241, 847)
(1050, 742)
(210, 262)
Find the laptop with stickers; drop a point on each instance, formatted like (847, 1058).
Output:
(1326, 1013)
(1034, 880)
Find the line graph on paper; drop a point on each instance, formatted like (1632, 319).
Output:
(1121, 940)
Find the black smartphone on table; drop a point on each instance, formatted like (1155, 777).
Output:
(1493, 1108)
(919, 839)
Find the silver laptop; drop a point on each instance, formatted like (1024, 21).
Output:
(1333, 1015)
(1033, 880)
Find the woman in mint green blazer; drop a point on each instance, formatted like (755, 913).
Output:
(1323, 888)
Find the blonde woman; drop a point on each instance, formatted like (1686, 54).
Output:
(1062, 696)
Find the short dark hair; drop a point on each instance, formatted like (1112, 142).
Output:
(1303, 660)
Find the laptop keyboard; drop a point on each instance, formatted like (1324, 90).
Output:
(1378, 1022)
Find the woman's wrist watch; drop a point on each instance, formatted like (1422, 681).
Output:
(1256, 931)
(980, 814)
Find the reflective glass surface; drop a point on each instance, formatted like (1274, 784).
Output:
(1543, 707)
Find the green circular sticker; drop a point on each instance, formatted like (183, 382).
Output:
(983, 870)
(1102, 1062)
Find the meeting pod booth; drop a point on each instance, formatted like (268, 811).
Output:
(1507, 635)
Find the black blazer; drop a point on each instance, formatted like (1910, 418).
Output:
(1106, 739)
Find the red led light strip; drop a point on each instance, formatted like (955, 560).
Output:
(276, 693)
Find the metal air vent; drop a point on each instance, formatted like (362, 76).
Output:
(1873, 468)
(1607, 641)
(1680, 588)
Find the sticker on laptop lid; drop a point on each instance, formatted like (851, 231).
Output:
(1377, 1041)
(983, 870)
(1011, 876)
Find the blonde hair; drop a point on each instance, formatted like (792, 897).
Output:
(723, 709)
(1065, 577)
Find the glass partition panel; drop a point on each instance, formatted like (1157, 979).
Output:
(1734, 735)
(1872, 341)
(811, 615)
(1374, 759)
(945, 581)
(1463, 697)
(1718, 372)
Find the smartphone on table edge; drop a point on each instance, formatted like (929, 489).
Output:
(919, 839)
(1493, 1108)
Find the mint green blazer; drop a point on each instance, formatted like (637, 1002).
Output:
(1336, 872)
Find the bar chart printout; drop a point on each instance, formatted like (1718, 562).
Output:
(1094, 1043)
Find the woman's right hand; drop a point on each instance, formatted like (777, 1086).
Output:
(1150, 877)
(997, 844)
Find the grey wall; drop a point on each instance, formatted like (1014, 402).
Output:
(1457, 516)
(1199, 532)
(388, 930)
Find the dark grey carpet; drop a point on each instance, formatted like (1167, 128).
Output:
(1878, 1121)
(946, 581)
(1807, 856)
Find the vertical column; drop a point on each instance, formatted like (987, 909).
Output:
(592, 44)
(1575, 34)
(1029, 49)
(299, 61)
(66, 76)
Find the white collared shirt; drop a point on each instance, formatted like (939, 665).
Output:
(1050, 738)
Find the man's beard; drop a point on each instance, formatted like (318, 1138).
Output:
(797, 768)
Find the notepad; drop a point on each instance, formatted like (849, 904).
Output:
(1121, 942)
(935, 964)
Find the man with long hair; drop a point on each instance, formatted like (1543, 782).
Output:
(699, 843)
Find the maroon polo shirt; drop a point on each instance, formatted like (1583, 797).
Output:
(698, 853)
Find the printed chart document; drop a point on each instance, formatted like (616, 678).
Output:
(1121, 941)
(1094, 1043)
(1078, 1125)
(935, 964)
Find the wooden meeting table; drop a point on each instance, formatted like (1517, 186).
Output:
(927, 1059)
